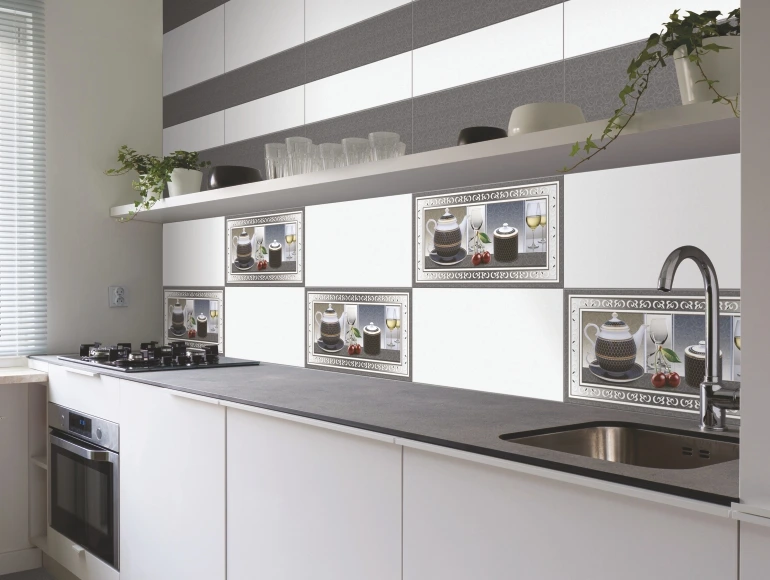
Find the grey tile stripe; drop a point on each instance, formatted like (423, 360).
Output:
(178, 12)
(433, 121)
(437, 20)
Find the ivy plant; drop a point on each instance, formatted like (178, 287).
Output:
(694, 32)
(154, 173)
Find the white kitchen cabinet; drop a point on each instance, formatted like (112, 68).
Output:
(309, 502)
(85, 391)
(469, 520)
(172, 485)
(755, 551)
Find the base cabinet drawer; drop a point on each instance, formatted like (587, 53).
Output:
(85, 391)
(82, 564)
(467, 520)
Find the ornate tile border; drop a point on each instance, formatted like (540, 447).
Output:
(392, 363)
(549, 274)
(195, 299)
(683, 400)
(289, 273)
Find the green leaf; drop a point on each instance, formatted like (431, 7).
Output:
(484, 238)
(575, 149)
(263, 249)
(670, 355)
(356, 332)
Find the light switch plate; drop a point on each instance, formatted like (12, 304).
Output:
(118, 296)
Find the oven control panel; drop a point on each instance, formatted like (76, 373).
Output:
(94, 429)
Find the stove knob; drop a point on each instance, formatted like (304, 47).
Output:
(98, 433)
(62, 421)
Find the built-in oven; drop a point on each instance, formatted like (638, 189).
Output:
(84, 476)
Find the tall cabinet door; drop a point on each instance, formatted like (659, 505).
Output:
(172, 485)
(309, 502)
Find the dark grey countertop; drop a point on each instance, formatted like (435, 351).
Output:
(457, 418)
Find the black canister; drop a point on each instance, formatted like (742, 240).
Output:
(372, 335)
(695, 364)
(202, 325)
(275, 254)
(505, 242)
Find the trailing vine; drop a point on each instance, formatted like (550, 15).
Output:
(692, 32)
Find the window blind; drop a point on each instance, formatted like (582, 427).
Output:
(23, 286)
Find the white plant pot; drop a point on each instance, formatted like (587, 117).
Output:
(184, 181)
(723, 66)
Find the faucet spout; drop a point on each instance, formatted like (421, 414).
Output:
(715, 398)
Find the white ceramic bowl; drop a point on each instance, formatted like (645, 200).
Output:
(541, 116)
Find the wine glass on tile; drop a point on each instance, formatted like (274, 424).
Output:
(390, 322)
(397, 311)
(351, 315)
(290, 232)
(533, 220)
(658, 330)
(476, 221)
(737, 337)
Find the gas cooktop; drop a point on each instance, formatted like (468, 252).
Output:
(153, 357)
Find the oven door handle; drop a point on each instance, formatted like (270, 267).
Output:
(90, 454)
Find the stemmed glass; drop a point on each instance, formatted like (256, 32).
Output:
(737, 338)
(543, 221)
(390, 322)
(397, 312)
(214, 312)
(351, 314)
(290, 232)
(533, 220)
(658, 330)
(477, 220)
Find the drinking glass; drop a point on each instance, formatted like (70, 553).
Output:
(737, 338)
(658, 330)
(299, 154)
(357, 150)
(401, 149)
(351, 315)
(213, 309)
(332, 155)
(290, 232)
(533, 220)
(316, 163)
(476, 221)
(276, 160)
(390, 322)
(397, 312)
(543, 221)
(384, 145)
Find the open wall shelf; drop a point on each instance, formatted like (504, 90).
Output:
(675, 134)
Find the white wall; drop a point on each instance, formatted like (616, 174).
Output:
(104, 83)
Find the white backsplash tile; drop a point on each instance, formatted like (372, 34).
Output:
(196, 135)
(365, 243)
(498, 340)
(194, 52)
(591, 25)
(257, 29)
(193, 253)
(266, 115)
(516, 44)
(326, 16)
(265, 324)
(379, 83)
(619, 225)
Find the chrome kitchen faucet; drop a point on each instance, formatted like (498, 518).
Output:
(715, 398)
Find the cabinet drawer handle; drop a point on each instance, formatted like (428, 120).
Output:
(79, 550)
(79, 372)
(202, 399)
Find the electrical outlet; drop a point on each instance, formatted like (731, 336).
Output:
(118, 296)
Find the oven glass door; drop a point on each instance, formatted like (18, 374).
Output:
(84, 495)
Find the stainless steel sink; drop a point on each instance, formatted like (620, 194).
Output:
(633, 445)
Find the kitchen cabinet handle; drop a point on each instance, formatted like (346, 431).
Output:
(79, 372)
(202, 399)
(99, 455)
(79, 550)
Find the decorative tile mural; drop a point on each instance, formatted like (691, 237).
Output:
(360, 331)
(265, 249)
(622, 345)
(508, 235)
(196, 316)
